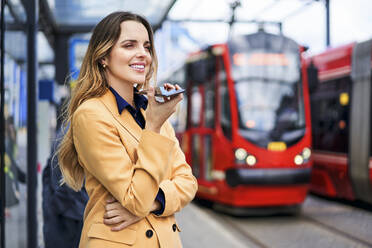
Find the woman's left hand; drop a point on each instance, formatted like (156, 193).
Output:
(118, 215)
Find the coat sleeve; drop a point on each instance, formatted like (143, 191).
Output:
(181, 188)
(102, 154)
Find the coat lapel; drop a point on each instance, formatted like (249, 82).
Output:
(125, 119)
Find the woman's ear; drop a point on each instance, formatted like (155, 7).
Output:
(103, 62)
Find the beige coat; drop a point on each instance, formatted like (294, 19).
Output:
(120, 158)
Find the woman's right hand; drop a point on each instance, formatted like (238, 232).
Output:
(118, 216)
(157, 113)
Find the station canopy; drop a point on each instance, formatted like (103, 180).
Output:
(69, 17)
(87, 13)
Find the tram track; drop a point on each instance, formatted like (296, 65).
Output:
(319, 224)
(337, 231)
(251, 238)
(256, 241)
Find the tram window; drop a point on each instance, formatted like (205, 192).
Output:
(312, 74)
(209, 104)
(196, 105)
(370, 116)
(225, 101)
(209, 111)
(208, 158)
(330, 115)
(196, 146)
(197, 71)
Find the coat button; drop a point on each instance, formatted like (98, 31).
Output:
(149, 233)
(174, 227)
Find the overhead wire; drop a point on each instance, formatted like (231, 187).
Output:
(266, 8)
(300, 9)
(194, 7)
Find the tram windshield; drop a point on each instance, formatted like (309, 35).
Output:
(267, 74)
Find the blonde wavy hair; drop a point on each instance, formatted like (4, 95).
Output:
(92, 83)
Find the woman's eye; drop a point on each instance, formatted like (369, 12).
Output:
(128, 45)
(148, 48)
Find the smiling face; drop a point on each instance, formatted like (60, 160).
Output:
(130, 58)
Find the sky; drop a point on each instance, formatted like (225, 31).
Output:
(350, 19)
(302, 20)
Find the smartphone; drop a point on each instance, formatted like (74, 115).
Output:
(162, 92)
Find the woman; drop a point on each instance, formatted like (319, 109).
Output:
(118, 149)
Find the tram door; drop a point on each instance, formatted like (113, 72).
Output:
(202, 117)
(330, 106)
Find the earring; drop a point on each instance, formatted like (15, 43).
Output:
(104, 65)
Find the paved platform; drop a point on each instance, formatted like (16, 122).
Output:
(199, 230)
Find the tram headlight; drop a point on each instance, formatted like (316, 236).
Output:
(298, 160)
(240, 155)
(306, 153)
(251, 160)
(243, 157)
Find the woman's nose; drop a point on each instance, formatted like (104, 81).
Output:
(142, 52)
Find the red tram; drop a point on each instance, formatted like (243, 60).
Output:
(248, 130)
(341, 121)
